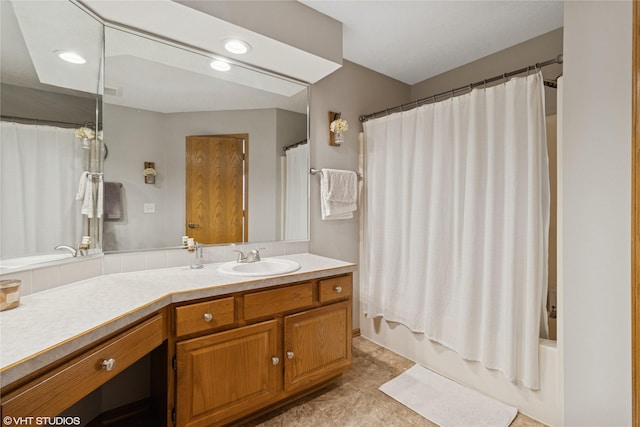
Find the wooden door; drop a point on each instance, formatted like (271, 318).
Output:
(317, 345)
(216, 210)
(226, 374)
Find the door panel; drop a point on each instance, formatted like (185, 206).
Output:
(224, 374)
(317, 345)
(215, 176)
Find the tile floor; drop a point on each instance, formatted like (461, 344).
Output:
(354, 399)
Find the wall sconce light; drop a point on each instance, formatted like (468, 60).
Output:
(337, 128)
(149, 173)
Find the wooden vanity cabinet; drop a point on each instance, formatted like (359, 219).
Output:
(55, 390)
(285, 341)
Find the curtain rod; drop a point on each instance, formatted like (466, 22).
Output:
(289, 147)
(413, 104)
(36, 121)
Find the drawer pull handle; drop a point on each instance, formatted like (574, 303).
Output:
(338, 289)
(208, 317)
(109, 364)
(275, 360)
(290, 354)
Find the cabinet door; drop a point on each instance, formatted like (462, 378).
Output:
(226, 374)
(317, 345)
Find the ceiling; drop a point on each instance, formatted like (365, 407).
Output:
(412, 41)
(407, 40)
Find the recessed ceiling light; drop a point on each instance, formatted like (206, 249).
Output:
(220, 65)
(237, 46)
(68, 56)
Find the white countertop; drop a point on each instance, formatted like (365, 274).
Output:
(52, 324)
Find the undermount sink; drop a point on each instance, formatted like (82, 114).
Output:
(264, 267)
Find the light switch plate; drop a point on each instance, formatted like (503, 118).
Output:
(149, 208)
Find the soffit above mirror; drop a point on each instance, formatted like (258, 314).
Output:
(67, 29)
(144, 73)
(191, 27)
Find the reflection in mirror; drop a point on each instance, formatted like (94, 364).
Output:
(44, 100)
(167, 106)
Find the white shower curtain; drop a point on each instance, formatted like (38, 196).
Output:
(297, 190)
(39, 171)
(456, 224)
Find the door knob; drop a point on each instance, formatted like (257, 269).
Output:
(290, 354)
(192, 225)
(275, 360)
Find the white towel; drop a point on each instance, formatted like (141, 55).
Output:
(338, 194)
(86, 194)
(100, 198)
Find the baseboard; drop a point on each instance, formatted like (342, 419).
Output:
(356, 332)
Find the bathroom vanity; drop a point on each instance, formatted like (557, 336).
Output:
(222, 347)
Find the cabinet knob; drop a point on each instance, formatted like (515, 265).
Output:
(275, 360)
(108, 364)
(290, 354)
(338, 289)
(208, 317)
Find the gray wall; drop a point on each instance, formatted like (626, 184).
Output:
(539, 49)
(30, 103)
(137, 136)
(352, 90)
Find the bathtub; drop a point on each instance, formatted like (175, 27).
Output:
(543, 405)
(13, 264)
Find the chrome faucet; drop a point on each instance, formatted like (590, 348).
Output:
(251, 256)
(241, 256)
(73, 251)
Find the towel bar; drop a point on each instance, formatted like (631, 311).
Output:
(314, 171)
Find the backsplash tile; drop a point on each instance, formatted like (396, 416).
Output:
(112, 264)
(133, 262)
(176, 258)
(51, 276)
(300, 247)
(214, 254)
(155, 260)
(81, 270)
(25, 278)
(45, 278)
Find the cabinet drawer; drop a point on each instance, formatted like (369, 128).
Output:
(334, 289)
(52, 393)
(274, 301)
(205, 315)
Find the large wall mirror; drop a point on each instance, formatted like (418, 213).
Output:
(140, 100)
(45, 101)
(215, 140)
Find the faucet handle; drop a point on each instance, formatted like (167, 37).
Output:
(241, 256)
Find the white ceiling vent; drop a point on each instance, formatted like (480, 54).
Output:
(113, 91)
